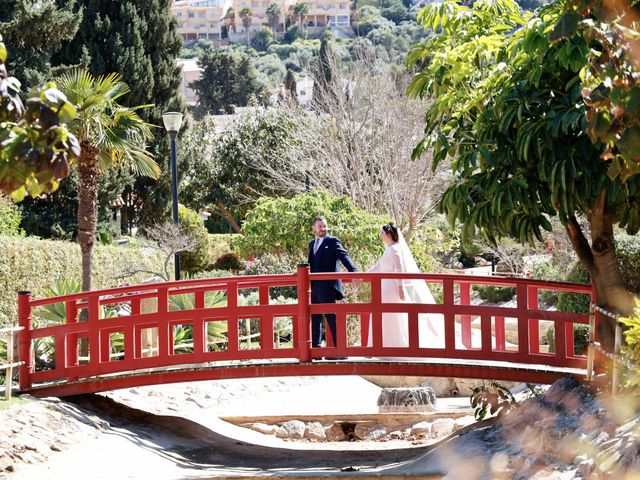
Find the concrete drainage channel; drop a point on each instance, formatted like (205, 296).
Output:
(418, 428)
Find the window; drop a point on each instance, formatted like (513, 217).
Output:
(191, 14)
(343, 7)
(179, 14)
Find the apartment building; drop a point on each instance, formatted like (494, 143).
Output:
(199, 19)
(328, 13)
(210, 20)
(321, 14)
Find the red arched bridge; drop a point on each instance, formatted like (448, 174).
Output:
(198, 330)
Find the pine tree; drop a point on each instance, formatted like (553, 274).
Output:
(34, 32)
(290, 86)
(227, 79)
(324, 73)
(138, 39)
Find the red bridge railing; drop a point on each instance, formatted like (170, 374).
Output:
(147, 323)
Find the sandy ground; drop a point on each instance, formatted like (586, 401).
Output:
(173, 432)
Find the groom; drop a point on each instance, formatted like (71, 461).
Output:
(325, 253)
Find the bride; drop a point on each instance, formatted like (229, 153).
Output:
(395, 326)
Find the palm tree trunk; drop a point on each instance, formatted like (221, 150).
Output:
(88, 177)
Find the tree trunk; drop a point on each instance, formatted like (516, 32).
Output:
(226, 214)
(88, 177)
(602, 263)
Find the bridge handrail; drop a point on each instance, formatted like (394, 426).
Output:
(455, 310)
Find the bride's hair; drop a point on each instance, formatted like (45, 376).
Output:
(391, 230)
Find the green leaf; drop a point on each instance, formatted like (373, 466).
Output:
(566, 27)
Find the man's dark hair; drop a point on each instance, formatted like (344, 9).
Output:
(319, 218)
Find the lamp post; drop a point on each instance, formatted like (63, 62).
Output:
(307, 165)
(172, 122)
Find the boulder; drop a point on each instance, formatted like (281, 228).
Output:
(421, 430)
(367, 431)
(335, 433)
(264, 428)
(442, 427)
(315, 431)
(293, 429)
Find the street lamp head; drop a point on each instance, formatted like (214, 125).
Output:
(172, 121)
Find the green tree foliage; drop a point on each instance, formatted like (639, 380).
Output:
(198, 259)
(246, 15)
(9, 218)
(227, 174)
(292, 34)
(262, 39)
(323, 72)
(138, 39)
(55, 215)
(35, 31)
(280, 225)
(37, 147)
(507, 109)
(227, 79)
(110, 136)
(301, 10)
(273, 13)
(290, 86)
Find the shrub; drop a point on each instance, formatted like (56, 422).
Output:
(546, 271)
(628, 252)
(197, 259)
(575, 302)
(10, 218)
(493, 294)
(229, 261)
(631, 350)
(35, 265)
(580, 338)
(292, 33)
(274, 264)
(280, 225)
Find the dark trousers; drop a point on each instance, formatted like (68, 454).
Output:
(322, 296)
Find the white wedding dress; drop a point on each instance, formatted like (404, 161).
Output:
(395, 326)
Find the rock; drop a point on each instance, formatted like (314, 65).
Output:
(264, 428)
(366, 431)
(422, 429)
(335, 433)
(442, 427)
(293, 429)
(409, 399)
(315, 431)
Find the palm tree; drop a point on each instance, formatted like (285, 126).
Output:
(230, 19)
(110, 135)
(301, 10)
(246, 14)
(273, 14)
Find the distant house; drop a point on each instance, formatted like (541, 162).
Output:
(190, 73)
(209, 19)
(198, 19)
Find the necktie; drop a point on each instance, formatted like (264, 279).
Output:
(316, 245)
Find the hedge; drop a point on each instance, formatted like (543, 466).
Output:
(33, 264)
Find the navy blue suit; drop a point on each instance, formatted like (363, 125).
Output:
(327, 259)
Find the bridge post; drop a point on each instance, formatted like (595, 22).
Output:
(304, 298)
(25, 348)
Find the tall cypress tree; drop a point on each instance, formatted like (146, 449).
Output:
(138, 39)
(324, 73)
(34, 32)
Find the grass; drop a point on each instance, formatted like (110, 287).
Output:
(4, 405)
